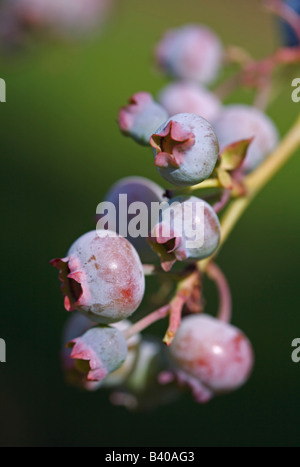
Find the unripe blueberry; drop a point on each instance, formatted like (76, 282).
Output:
(191, 52)
(120, 376)
(76, 325)
(63, 17)
(289, 37)
(143, 391)
(237, 122)
(140, 118)
(186, 149)
(212, 352)
(137, 189)
(104, 348)
(187, 230)
(185, 97)
(79, 324)
(102, 277)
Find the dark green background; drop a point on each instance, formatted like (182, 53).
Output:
(61, 150)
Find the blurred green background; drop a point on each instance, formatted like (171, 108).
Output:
(61, 150)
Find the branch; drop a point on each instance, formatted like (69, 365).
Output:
(255, 182)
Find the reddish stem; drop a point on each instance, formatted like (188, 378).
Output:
(219, 205)
(225, 306)
(175, 317)
(285, 12)
(147, 321)
(184, 292)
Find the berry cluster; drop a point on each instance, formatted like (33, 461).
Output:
(205, 150)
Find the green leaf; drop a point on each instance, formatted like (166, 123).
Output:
(233, 155)
(225, 179)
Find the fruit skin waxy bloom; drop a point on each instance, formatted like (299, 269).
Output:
(102, 277)
(185, 97)
(140, 118)
(172, 237)
(137, 189)
(212, 356)
(191, 52)
(103, 347)
(79, 324)
(186, 149)
(237, 122)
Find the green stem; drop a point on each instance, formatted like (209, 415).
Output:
(255, 182)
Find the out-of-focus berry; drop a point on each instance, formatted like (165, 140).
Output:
(140, 118)
(102, 277)
(191, 52)
(76, 325)
(289, 36)
(98, 352)
(185, 97)
(142, 390)
(186, 149)
(79, 324)
(238, 122)
(120, 376)
(18, 17)
(213, 357)
(137, 189)
(187, 230)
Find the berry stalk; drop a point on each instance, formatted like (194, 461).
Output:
(225, 307)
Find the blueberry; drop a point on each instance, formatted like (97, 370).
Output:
(186, 149)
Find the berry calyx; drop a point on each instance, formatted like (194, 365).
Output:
(185, 149)
(102, 277)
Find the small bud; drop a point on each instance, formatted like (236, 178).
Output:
(102, 277)
(191, 52)
(185, 97)
(104, 348)
(240, 122)
(140, 118)
(188, 230)
(185, 149)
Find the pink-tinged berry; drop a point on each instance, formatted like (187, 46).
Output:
(185, 97)
(76, 325)
(122, 195)
(186, 149)
(191, 52)
(212, 356)
(75, 17)
(140, 118)
(187, 230)
(102, 277)
(79, 324)
(238, 122)
(98, 352)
